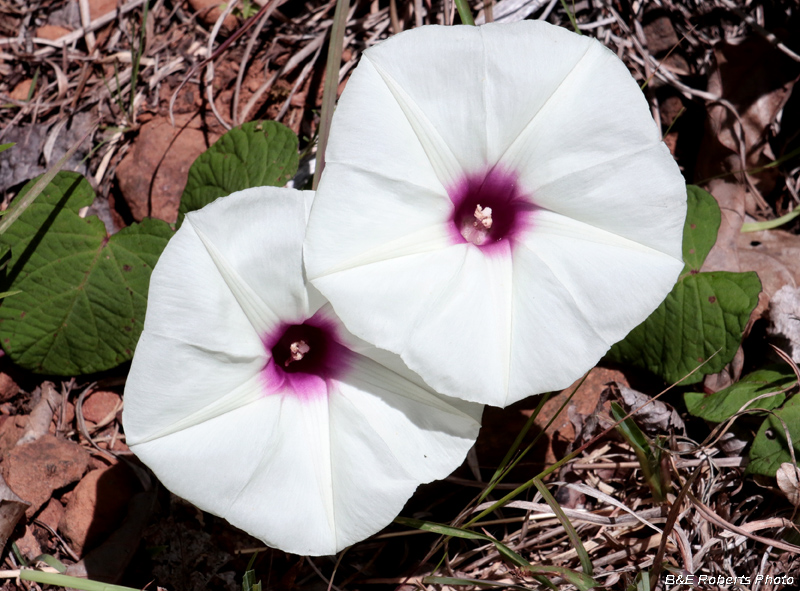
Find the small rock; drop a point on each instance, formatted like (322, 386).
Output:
(210, 10)
(156, 154)
(51, 514)
(8, 387)
(97, 506)
(34, 470)
(99, 405)
(52, 32)
(28, 544)
(663, 42)
(660, 35)
(10, 432)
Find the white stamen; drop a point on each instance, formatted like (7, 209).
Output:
(483, 216)
(297, 351)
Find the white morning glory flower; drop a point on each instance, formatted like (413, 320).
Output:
(248, 398)
(497, 207)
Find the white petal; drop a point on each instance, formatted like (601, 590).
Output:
(446, 112)
(636, 197)
(529, 59)
(315, 476)
(593, 148)
(448, 315)
(378, 138)
(428, 436)
(256, 236)
(197, 341)
(577, 290)
(349, 230)
(173, 384)
(205, 321)
(265, 467)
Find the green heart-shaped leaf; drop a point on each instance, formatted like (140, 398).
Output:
(256, 154)
(722, 405)
(704, 314)
(82, 294)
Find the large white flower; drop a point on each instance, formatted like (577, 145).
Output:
(497, 207)
(248, 398)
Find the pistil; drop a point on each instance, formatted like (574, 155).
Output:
(297, 350)
(483, 216)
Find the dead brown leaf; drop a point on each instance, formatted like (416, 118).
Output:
(754, 80)
(787, 477)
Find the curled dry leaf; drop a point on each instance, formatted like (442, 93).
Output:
(654, 415)
(42, 414)
(788, 477)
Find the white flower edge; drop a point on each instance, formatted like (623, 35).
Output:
(308, 473)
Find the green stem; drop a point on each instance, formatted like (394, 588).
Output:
(571, 16)
(335, 47)
(464, 12)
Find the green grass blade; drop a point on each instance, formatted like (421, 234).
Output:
(769, 224)
(505, 467)
(464, 12)
(581, 580)
(4, 147)
(51, 561)
(571, 16)
(66, 581)
(575, 540)
(648, 461)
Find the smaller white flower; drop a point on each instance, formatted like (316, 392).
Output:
(248, 397)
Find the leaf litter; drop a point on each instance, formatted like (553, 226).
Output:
(721, 80)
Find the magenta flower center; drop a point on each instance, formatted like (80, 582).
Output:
(304, 358)
(489, 208)
(303, 349)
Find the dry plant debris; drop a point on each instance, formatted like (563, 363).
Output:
(720, 76)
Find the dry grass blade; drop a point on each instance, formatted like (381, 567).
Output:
(716, 519)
